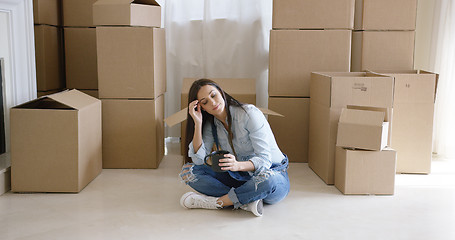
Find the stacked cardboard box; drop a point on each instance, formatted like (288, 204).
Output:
(414, 96)
(242, 89)
(50, 76)
(80, 46)
(56, 143)
(131, 56)
(307, 36)
(383, 36)
(363, 164)
(330, 92)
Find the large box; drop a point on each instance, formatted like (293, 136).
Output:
(127, 13)
(386, 50)
(80, 58)
(56, 143)
(294, 54)
(78, 13)
(365, 172)
(131, 62)
(291, 132)
(363, 129)
(133, 133)
(49, 58)
(313, 14)
(413, 113)
(242, 89)
(385, 14)
(330, 92)
(47, 12)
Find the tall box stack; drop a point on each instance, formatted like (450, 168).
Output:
(80, 46)
(242, 89)
(131, 55)
(330, 92)
(414, 96)
(383, 37)
(363, 164)
(307, 36)
(50, 77)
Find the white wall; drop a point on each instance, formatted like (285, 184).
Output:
(424, 32)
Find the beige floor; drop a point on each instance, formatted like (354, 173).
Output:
(144, 204)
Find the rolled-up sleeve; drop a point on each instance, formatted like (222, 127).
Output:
(259, 133)
(207, 140)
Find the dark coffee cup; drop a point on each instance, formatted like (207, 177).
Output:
(215, 157)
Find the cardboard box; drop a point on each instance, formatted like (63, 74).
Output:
(127, 13)
(414, 97)
(294, 54)
(78, 13)
(365, 172)
(330, 92)
(56, 143)
(49, 58)
(363, 129)
(313, 14)
(242, 89)
(131, 62)
(80, 58)
(47, 12)
(133, 133)
(385, 14)
(291, 132)
(44, 93)
(387, 50)
(93, 93)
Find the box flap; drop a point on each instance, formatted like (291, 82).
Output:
(73, 98)
(181, 115)
(113, 2)
(363, 117)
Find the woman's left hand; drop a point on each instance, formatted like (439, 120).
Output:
(229, 163)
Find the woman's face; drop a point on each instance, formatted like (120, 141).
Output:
(211, 100)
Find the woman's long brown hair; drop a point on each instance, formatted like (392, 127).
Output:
(206, 117)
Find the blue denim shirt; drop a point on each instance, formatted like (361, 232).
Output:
(253, 139)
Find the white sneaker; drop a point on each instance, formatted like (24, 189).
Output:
(254, 207)
(196, 200)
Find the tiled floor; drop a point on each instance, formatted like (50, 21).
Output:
(144, 204)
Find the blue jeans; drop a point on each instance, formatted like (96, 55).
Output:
(271, 185)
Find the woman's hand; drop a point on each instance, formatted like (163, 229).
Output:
(229, 163)
(194, 109)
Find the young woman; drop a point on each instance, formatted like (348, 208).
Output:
(255, 169)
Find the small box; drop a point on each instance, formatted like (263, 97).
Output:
(384, 50)
(291, 132)
(330, 92)
(294, 54)
(78, 13)
(414, 97)
(145, 13)
(242, 89)
(49, 58)
(131, 62)
(133, 133)
(362, 129)
(365, 172)
(313, 14)
(385, 14)
(81, 59)
(47, 12)
(56, 143)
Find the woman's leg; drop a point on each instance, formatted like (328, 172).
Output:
(204, 180)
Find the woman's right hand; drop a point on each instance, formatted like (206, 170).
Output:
(194, 109)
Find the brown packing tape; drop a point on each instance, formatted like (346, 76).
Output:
(181, 115)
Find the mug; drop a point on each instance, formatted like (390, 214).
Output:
(215, 156)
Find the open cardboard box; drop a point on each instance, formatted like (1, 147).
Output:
(146, 13)
(363, 129)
